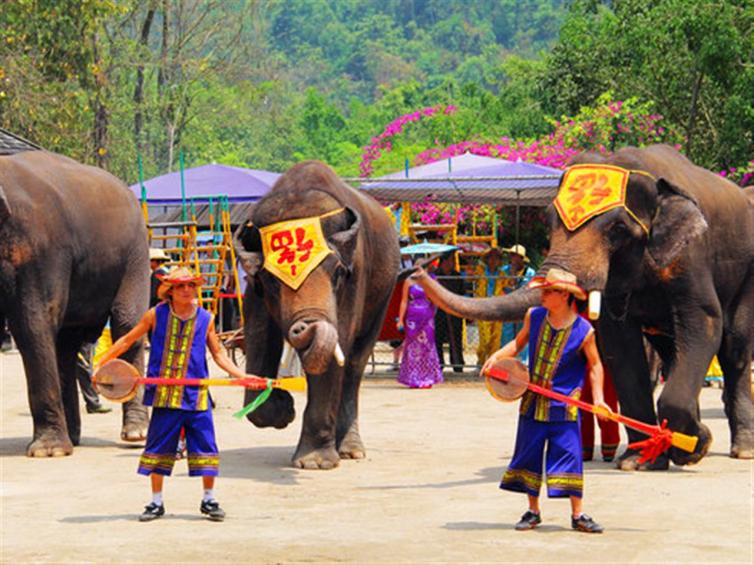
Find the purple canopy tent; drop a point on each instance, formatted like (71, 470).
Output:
(242, 186)
(239, 184)
(445, 166)
(497, 182)
(510, 183)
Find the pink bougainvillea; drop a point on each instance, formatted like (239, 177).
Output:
(382, 144)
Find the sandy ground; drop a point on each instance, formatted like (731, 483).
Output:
(427, 492)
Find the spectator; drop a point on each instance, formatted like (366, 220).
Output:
(490, 280)
(448, 328)
(420, 366)
(157, 260)
(517, 276)
(84, 378)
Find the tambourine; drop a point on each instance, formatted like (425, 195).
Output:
(118, 380)
(508, 380)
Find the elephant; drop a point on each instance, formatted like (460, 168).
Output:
(73, 253)
(675, 264)
(339, 256)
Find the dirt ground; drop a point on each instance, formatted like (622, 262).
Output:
(427, 492)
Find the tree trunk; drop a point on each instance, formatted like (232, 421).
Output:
(139, 88)
(692, 112)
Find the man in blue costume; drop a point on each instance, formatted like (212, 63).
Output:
(562, 349)
(181, 333)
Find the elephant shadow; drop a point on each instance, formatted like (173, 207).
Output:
(16, 446)
(262, 464)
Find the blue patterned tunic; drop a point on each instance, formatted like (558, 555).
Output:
(179, 350)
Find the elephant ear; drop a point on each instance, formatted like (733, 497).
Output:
(344, 241)
(4, 205)
(248, 247)
(678, 220)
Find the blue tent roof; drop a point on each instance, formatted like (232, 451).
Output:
(239, 184)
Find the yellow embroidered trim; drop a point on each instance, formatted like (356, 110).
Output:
(203, 460)
(529, 479)
(177, 350)
(566, 480)
(572, 412)
(547, 356)
(164, 461)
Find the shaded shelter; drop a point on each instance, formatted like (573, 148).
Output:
(506, 183)
(501, 183)
(444, 166)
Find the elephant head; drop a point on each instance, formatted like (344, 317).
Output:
(296, 254)
(608, 247)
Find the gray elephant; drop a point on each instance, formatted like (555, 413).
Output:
(73, 253)
(674, 259)
(322, 261)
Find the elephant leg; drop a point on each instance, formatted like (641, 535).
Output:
(34, 335)
(316, 447)
(263, 344)
(735, 361)
(347, 437)
(67, 351)
(622, 350)
(679, 400)
(128, 307)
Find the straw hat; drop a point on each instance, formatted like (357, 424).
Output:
(518, 249)
(559, 279)
(157, 255)
(177, 275)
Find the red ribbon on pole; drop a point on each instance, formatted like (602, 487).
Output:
(660, 437)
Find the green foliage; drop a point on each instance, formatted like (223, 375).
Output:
(266, 83)
(692, 58)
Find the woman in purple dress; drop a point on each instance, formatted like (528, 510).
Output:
(420, 366)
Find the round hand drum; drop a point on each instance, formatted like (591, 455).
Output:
(117, 380)
(508, 381)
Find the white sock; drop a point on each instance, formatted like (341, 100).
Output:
(157, 498)
(209, 495)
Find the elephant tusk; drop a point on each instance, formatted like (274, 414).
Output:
(340, 359)
(595, 304)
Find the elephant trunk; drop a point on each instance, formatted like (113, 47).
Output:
(316, 343)
(509, 307)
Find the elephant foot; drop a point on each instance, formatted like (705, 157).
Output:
(703, 444)
(742, 446)
(276, 412)
(629, 461)
(133, 431)
(50, 445)
(351, 447)
(324, 458)
(742, 450)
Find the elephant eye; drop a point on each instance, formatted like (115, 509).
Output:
(618, 232)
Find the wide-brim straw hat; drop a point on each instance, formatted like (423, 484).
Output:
(518, 249)
(559, 279)
(177, 275)
(157, 255)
